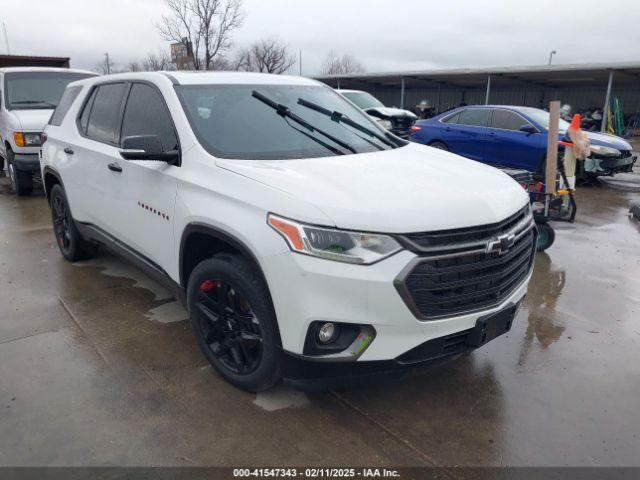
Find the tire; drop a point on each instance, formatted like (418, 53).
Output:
(439, 146)
(71, 244)
(546, 236)
(245, 347)
(21, 182)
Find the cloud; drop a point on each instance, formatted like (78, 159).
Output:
(384, 35)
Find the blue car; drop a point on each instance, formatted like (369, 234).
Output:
(515, 137)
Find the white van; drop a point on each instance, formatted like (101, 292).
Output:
(28, 96)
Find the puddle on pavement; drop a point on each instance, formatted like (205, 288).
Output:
(168, 312)
(280, 398)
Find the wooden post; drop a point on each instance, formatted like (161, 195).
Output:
(552, 146)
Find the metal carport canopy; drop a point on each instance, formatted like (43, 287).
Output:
(549, 76)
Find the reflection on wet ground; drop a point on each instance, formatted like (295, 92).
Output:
(98, 367)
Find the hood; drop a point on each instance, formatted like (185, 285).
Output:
(32, 120)
(409, 189)
(390, 112)
(607, 140)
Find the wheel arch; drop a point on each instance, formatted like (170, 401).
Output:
(214, 240)
(205, 241)
(50, 177)
(437, 140)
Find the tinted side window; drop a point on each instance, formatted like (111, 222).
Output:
(506, 120)
(146, 114)
(104, 120)
(86, 111)
(452, 119)
(476, 117)
(70, 94)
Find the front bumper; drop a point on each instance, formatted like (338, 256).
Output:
(27, 162)
(299, 371)
(305, 289)
(609, 165)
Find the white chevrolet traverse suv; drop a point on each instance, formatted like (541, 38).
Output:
(306, 242)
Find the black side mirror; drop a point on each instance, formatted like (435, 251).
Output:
(147, 147)
(528, 128)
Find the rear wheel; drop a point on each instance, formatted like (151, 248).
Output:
(71, 244)
(546, 236)
(21, 182)
(233, 321)
(439, 146)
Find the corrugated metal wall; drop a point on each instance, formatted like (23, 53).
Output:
(578, 97)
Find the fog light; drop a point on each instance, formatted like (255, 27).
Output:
(327, 332)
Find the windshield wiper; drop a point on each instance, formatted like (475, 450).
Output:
(33, 102)
(342, 118)
(285, 112)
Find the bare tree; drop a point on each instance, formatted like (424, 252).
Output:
(341, 65)
(157, 62)
(106, 66)
(135, 66)
(268, 56)
(206, 24)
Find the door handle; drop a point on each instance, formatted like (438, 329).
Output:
(68, 150)
(114, 167)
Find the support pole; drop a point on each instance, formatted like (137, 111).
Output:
(338, 84)
(438, 100)
(401, 92)
(552, 147)
(607, 101)
(486, 100)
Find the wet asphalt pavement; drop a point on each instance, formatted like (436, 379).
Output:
(98, 367)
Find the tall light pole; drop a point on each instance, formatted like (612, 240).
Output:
(6, 38)
(106, 55)
(551, 54)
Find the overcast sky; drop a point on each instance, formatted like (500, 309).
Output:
(384, 35)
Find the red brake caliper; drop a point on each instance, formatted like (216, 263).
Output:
(208, 285)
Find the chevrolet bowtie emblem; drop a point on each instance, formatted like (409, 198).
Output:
(501, 245)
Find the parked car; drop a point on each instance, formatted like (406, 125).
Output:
(396, 120)
(516, 137)
(28, 96)
(305, 244)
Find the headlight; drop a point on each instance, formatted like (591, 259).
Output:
(333, 244)
(605, 151)
(386, 124)
(27, 139)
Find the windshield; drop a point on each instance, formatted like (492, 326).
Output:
(230, 122)
(542, 118)
(363, 99)
(37, 90)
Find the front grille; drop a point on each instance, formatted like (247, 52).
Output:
(457, 271)
(462, 237)
(401, 126)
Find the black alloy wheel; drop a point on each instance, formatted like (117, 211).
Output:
(72, 246)
(229, 327)
(234, 321)
(61, 223)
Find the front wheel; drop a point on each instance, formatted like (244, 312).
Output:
(21, 182)
(439, 146)
(234, 323)
(546, 236)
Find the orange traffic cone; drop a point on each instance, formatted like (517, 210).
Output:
(575, 122)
